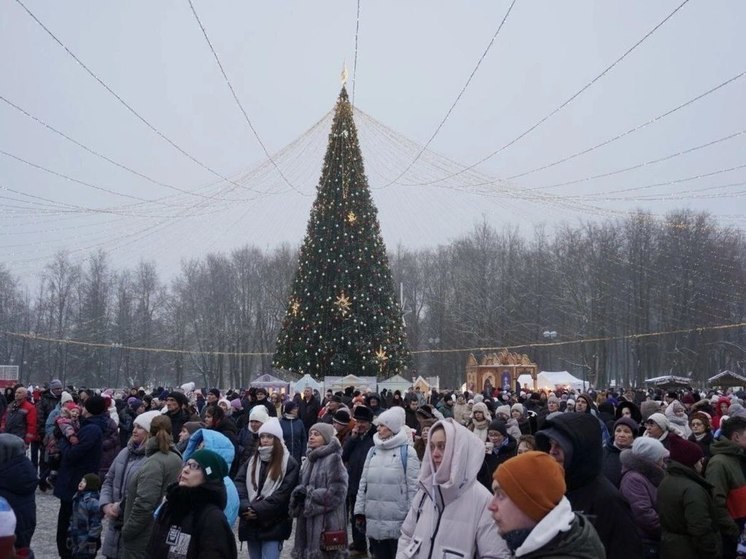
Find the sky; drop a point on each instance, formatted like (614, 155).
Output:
(160, 163)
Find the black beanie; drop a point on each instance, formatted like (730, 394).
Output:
(96, 405)
(92, 482)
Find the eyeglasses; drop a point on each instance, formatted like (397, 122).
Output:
(192, 465)
(696, 423)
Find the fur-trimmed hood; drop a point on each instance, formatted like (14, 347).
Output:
(633, 462)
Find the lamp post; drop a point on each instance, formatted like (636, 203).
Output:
(549, 335)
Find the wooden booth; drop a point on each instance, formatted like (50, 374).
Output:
(499, 370)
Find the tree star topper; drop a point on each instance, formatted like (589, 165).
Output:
(343, 303)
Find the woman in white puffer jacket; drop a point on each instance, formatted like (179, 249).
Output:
(390, 472)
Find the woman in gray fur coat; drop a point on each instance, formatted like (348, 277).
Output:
(319, 500)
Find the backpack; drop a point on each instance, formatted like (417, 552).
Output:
(403, 454)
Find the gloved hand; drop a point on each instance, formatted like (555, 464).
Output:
(360, 523)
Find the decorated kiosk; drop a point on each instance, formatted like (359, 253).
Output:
(499, 370)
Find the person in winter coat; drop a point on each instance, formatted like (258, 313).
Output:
(20, 417)
(264, 485)
(85, 522)
(48, 401)
(658, 427)
(534, 516)
(18, 482)
(699, 423)
(147, 487)
(726, 471)
(373, 402)
(449, 515)
(308, 407)
(248, 437)
(187, 430)
(676, 415)
(461, 410)
(125, 465)
(387, 486)
(643, 467)
(584, 404)
(191, 524)
(293, 431)
(480, 421)
(574, 440)
(109, 445)
(354, 455)
(77, 460)
(216, 420)
(627, 408)
(520, 414)
(686, 508)
(318, 502)
(212, 440)
(177, 410)
(625, 430)
(500, 447)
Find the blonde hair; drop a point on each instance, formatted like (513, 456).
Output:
(160, 428)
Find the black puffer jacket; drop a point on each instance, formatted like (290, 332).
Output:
(18, 482)
(588, 490)
(273, 522)
(353, 455)
(193, 516)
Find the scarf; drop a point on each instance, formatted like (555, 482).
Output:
(270, 485)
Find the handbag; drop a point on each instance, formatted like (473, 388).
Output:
(332, 540)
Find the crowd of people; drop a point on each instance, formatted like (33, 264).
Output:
(501, 473)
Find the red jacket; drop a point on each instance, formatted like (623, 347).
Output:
(20, 420)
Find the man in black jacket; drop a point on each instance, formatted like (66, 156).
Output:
(48, 400)
(308, 408)
(354, 453)
(574, 440)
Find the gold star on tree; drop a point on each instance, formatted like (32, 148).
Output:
(343, 303)
(382, 358)
(295, 307)
(351, 218)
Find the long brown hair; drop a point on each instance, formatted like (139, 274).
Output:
(275, 463)
(160, 428)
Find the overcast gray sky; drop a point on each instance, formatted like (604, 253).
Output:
(283, 60)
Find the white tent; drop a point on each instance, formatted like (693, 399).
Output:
(553, 379)
(340, 383)
(397, 382)
(307, 380)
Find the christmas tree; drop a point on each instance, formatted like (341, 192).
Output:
(342, 317)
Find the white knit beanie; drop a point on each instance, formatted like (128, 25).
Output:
(259, 413)
(146, 418)
(272, 427)
(392, 420)
(649, 448)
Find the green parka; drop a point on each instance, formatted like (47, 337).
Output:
(725, 471)
(145, 492)
(688, 515)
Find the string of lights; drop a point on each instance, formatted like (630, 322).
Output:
(458, 97)
(96, 153)
(124, 103)
(68, 341)
(574, 96)
(354, 64)
(630, 130)
(238, 102)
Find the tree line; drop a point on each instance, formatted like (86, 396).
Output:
(592, 286)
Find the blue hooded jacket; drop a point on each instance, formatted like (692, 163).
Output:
(219, 443)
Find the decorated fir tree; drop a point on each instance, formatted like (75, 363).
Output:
(342, 316)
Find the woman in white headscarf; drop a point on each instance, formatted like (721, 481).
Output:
(264, 485)
(449, 515)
